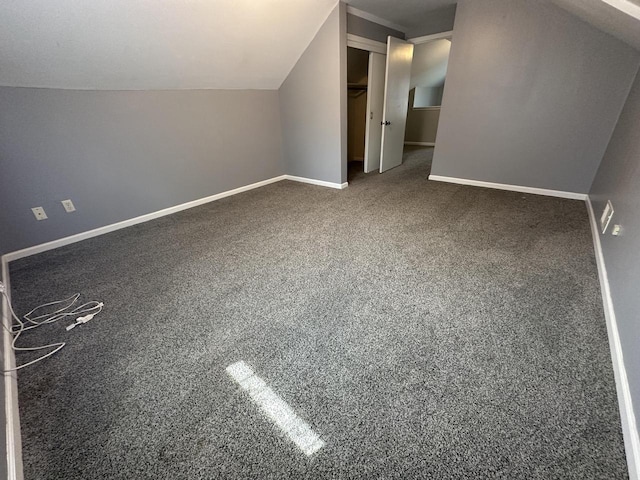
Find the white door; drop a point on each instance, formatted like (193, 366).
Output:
(396, 100)
(375, 99)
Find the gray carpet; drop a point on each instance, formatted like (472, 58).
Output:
(423, 330)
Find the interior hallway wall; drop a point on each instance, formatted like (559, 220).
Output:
(122, 154)
(422, 123)
(618, 180)
(313, 106)
(532, 96)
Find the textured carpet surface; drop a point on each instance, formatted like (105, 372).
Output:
(422, 329)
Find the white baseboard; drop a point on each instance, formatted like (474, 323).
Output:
(512, 188)
(629, 427)
(627, 416)
(322, 183)
(13, 438)
(61, 242)
(11, 412)
(422, 144)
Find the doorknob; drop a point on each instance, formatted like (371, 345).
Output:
(385, 123)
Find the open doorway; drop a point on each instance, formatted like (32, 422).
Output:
(428, 75)
(394, 99)
(365, 96)
(357, 84)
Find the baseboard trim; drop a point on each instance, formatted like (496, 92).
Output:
(12, 415)
(627, 416)
(12, 431)
(61, 242)
(422, 144)
(312, 181)
(512, 188)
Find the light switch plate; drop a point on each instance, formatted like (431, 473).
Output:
(607, 215)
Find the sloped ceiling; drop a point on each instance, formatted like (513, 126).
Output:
(620, 18)
(155, 44)
(202, 44)
(430, 62)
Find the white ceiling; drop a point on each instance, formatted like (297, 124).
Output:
(202, 44)
(155, 44)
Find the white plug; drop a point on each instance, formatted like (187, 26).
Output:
(2, 289)
(86, 318)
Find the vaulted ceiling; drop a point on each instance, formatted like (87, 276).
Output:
(203, 44)
(620, 18)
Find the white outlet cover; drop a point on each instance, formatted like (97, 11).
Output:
(39, 213)
(68, 206)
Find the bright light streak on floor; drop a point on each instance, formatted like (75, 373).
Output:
(276, 408)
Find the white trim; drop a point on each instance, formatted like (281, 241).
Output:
(367, 44)
(423, 144)
(375, 19)
(61, 242)
(313, 181)
(12, 415)
(512, 188)
(627, 417)
(430, 38)
(12, 431)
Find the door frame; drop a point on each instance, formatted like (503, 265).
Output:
(448, 35)
(362, 43)
(371, 46)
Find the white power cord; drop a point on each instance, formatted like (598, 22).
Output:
(90, 309)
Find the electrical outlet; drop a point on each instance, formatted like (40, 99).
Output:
(39, 213)
(68, 206)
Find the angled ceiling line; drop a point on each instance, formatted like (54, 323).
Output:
(375, 19)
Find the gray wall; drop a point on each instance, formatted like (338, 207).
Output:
(371, 30)
(313, 106)
(618, 179)
(121, 154)
(532, 96)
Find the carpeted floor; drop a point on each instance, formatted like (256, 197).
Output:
(423, 330)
